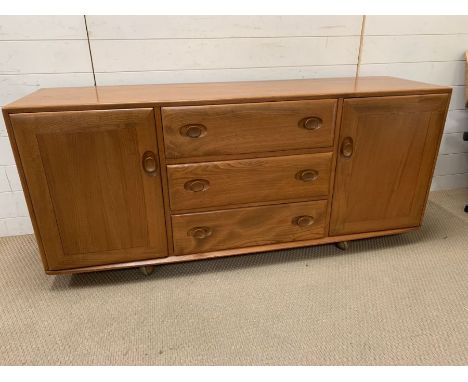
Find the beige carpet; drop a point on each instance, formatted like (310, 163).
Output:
(392, 300)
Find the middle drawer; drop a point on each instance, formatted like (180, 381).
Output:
(214, 184)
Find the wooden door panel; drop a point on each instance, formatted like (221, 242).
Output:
(104, 177)
(93, 201)
(384, 183)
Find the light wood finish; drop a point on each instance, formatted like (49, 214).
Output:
(107, 187)
(165, 188)
(246, 227)
(92, 198)
(248, 128)
(216, 93)
(334, 160)
(237, 251)
(385, 164)
(25, 187)
(264, 154)
(248, 180)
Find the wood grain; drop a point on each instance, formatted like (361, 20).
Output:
(246, 227)
(248, 128)
(236, 251)
(383, 185)
(248, 180)
(25, 187)
(93, 202)
(94, 207)
(164, 185)
(217, 93)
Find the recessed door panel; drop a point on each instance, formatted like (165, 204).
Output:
(94, 200)
(388, 147)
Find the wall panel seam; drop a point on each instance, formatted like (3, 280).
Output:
(417, 34)
(223, 38)
(89, 48)
(361, 44)
(223, 68)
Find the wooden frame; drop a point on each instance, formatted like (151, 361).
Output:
(159, 96)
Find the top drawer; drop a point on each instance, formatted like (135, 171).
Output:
(192, 131)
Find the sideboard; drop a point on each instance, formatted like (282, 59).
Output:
(135, 176)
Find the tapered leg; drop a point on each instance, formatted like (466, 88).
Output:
(343, 245)
(147, 269)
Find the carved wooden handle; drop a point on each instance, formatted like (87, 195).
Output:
(197, 185)
(307, 175)
(311, 123)
(347, 147)
(149, 163)
(303, 221)
(200, 232)
(193, 131)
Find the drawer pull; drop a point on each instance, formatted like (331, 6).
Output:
(311, 123)
(193, 131)
(197, 185)
(150, 165)
(347, 147)
(303, 221)
(307, 175)
(200, 232)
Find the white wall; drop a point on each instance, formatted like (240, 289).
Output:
(155, 49)
(429, 49)
(52, 51)
(35, 51)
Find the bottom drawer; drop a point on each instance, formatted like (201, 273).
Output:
(246, 227)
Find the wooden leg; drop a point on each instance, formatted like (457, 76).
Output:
(147, 269)
(343, 245)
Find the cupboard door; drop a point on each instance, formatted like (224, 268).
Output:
(388, 147)
(94, 183)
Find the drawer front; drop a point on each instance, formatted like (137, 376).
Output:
(246, 227)
(247, 128)
(213, 184)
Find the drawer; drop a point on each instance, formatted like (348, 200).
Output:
(246, 227)
(213, 184)
(193, 131)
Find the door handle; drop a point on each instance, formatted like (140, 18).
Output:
(347, 147)
(149, 163)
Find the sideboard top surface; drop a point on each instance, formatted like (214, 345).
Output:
(81, 98)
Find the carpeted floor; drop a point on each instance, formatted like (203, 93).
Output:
(392, 300)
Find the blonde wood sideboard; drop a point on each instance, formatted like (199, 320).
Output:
(134, 176)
